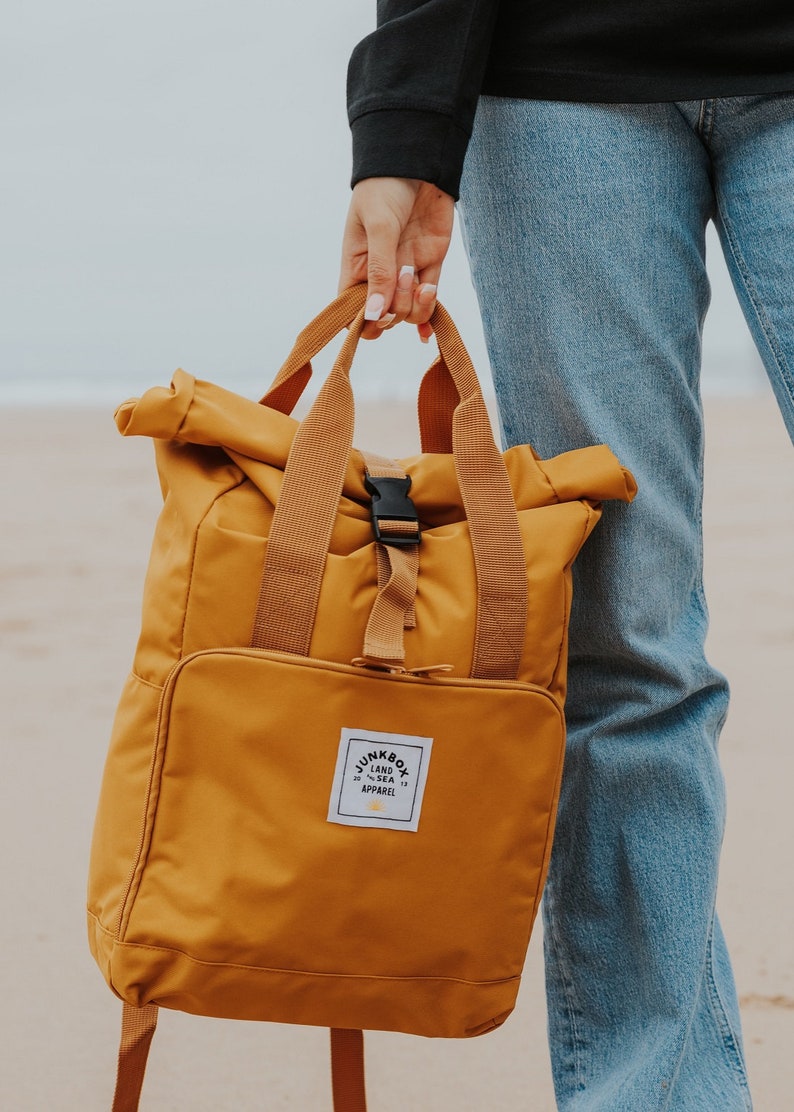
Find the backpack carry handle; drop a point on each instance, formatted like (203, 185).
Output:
(438, 394)
(304, 518)
(287, 387)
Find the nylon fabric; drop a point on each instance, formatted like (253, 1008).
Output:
(488, 499)
(297, 547)
(437, 401)
(137, 1029)
(398, 571)
(291, 380)
(305, 513)
(252, 766)
(393, 607)
(347, 1070)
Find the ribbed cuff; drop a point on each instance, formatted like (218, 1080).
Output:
(409, 143)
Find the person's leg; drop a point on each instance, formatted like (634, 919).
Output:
(751, 142)
(585, 231)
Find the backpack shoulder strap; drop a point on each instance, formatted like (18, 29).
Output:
(347, 1070)
(137, 1029)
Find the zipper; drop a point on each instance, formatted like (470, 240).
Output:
(147, 797)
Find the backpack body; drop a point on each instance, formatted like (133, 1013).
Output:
(317, 834)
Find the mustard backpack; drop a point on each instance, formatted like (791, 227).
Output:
(333, 775)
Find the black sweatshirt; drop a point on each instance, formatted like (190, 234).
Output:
(413, 83)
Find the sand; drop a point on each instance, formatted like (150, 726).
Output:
(77, 510)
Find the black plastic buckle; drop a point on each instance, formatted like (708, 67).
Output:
(390, 502)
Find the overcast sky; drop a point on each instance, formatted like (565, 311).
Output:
(174, 184)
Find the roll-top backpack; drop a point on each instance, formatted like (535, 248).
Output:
(343, 728)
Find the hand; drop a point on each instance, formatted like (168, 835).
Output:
(396, 238)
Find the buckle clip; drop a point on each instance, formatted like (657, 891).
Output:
(390, 503)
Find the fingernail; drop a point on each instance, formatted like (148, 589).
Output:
(427, 293)
(374, 307)
(384, 322)
(406, 278)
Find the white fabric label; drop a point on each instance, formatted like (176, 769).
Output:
(379, 779)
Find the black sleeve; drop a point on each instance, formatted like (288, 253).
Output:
(412, 89)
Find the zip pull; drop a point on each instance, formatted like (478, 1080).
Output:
(397, 669)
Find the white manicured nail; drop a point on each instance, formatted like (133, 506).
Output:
(405, 280)
(374, 307)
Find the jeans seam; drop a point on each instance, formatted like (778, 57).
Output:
(764, 323)
(701, 480)
(566, 983)
(701, 117)
(706, 119)
(730, 1043)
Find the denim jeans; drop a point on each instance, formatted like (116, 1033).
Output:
(585, 228)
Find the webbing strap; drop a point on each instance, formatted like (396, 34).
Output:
(291, 380)
(491, 512)
(300, 533)
(347, 1070)
(438, 399)
(137, 1028)
(393, 609)
(398, 569)
(309, 498)
(437, 393)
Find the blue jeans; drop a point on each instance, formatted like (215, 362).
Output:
(585, 229)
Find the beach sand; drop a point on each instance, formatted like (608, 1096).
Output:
(78, 507)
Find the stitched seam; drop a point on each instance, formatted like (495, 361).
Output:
(147, 683)
(701, 117)
(566, 983)
(242, 479)
(294, 972)
(361, 108)
(763, 321)
(700, 590)
(368, 108)
(671, 1091)
(730, 1043)
(123, 918)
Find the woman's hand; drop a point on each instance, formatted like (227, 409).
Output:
(396, 238)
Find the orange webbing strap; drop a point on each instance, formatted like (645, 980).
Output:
(398, 569)
(291, 380)
(393, 609)
(491, 512)
(347, 1070)
(438, 399)
(137, 1028)
(384, 554)
(309, 498)
(300, 532)
(437, 394)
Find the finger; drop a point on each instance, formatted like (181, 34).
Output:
(403, 300)
(382, 241)
(423, 304)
